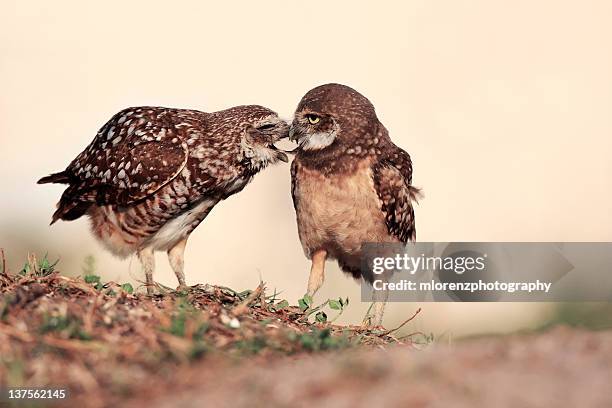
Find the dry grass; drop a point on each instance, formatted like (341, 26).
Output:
(107, 344)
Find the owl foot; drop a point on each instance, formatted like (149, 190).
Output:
(182, 288)
(373, 318)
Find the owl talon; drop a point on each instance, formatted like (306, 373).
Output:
(373, 320)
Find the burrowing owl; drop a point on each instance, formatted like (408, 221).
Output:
(151, 175)
(350, 184)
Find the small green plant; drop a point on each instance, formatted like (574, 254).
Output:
(128, 288)
(178, 322)
(305, 302)
(321, 317)
(89, 265)
(95, 280)
(198, 350)
(71, 326)
(281, 305)
(253, 345)
(177, 325)
(339, 304)
(201, 331)
(91, 279)
(40, 268)
(45, 267)
(320, 340)
(305, 305)
(5, 304)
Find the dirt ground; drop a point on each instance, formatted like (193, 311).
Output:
(213, 346)
(561, 368)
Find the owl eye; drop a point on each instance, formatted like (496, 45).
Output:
(266, 126)
(313, 119)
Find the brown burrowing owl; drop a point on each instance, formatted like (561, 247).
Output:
(152, 174)
(350, 184)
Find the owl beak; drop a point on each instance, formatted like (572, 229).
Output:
(283, 151)
(294, 134)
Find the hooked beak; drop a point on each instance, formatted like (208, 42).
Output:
(281, 153)
(294, 134)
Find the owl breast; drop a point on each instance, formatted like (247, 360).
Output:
(339, 213)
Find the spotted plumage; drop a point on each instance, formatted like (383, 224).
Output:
(151, 175)
(350, 184)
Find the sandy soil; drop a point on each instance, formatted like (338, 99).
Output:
(213, 346)
(560, 368)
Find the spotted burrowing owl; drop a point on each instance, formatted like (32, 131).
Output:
(152, 174)
(350, 184)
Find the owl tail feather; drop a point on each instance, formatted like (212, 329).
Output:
(70, 211)
(61, 177)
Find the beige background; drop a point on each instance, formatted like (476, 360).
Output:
(504, 106)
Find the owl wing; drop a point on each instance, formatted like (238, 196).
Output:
(392, 175)
(134, 155)
(294, 179)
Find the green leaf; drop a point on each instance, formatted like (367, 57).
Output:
(321, 317)
(305, 302)
(127, 287)
(25, 270)
(334, 304)
(44, 264)
(281, 305)
(308, 300)
(92, 278)
(46, 268)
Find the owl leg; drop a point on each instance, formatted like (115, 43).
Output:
(317, 271)
(147, 259)
(176, 256)
(379, 301)
(379, 310)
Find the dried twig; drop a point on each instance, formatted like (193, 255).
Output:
(244, 306)
(387, 332)
(416, 333)
(4, 272)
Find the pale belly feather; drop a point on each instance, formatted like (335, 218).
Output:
(339, 213)
(179, 227)
(111, 229)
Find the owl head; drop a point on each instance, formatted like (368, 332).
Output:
(258, 138)
(332, 115)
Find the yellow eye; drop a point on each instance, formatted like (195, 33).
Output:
(313, 119)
